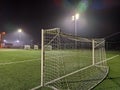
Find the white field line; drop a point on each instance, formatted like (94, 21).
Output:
(19, 61)
(101, 66)
(73, 73)
(35, 88)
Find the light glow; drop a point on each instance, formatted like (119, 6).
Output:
(77, 16)
(19, 30)
(5, 41)
(17, 41)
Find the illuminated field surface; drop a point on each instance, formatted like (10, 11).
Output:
(20, 70)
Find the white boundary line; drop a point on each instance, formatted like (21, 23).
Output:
(37, 87)
(20, 61)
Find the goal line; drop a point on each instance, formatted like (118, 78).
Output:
(37, 59)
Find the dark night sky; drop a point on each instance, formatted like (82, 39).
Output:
(33, 15)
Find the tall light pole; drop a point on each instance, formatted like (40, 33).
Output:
(19, 31)
(75, 18)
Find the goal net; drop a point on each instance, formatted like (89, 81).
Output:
(70, 62)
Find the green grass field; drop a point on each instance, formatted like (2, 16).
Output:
(23, 74)
(112, 81)
(20, 70)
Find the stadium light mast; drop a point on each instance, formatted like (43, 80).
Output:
(75, 18)
(19, 37)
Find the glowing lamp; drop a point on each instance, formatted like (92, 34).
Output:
(19, 30)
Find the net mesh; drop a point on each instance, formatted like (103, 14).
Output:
(71, 62)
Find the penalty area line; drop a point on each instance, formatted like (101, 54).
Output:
(19, 61)
(39, 86)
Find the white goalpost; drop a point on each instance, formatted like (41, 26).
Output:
(70, 62)
(42, 56)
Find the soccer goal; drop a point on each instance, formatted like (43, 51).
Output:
(70, 62)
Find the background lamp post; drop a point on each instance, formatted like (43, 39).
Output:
(19, 38)
(19, 31)
(75, 18)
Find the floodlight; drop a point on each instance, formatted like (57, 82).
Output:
(77, 16)
(17, 41)
(4, 40)
(19, 30)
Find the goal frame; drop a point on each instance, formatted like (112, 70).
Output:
(43, 57)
